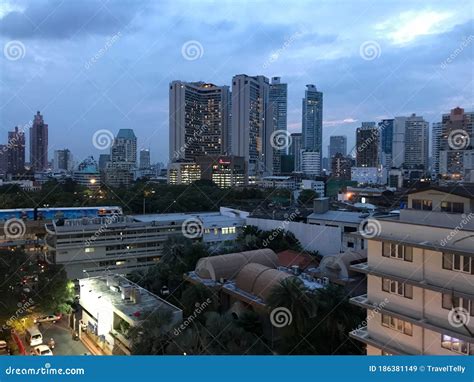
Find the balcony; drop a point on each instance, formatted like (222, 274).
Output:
(362, 335)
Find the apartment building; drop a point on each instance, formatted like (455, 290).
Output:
(420, 276)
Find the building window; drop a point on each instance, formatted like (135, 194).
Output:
(397, 287)
(383, 352)
(449, 302)
(454, 344)
(397, 251)
(394, 323)
(89, 250)
(422, 204)
(458, 263)
(452, 207)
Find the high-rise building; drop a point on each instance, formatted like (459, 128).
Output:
(63, 160)
(310, 162)
(456, 145)
(386, 142)
(39, 144)
(225, 171)
(103, 160)
(124, 148)
(398, 141)
(436, 132)
(252, 123)
(16, 151)
(416, 143)
(312, 120)
(420, 274)
(337, 144)
(278, 98)
(341, 167)
(199, 120)
(144, 159)
(3, 159)
(367, 145)
(295, 149)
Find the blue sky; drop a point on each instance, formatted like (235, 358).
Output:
(90, 65)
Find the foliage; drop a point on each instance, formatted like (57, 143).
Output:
(278, 239)
(306, 197)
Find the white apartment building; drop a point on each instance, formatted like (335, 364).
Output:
(311, 162)
(420, 277)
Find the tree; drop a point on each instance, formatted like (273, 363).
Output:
(306, 197)
(151, 336)
(198, 296)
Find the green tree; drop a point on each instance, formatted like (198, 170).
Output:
(306, 197)
(151, 336)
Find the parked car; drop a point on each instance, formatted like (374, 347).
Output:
(43, 350)
(49, 318)
(4, 349)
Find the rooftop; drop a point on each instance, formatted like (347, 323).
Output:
(339, 216)
(464, 190)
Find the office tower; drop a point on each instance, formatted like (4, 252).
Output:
(103, 160)
(252, 123)
(295, 149)
(144, 159)
(199, 120)
(341, 167)
(62, 160)
(398, 141)
(337, 144)
(224, 171)
(367, 145)
(124, 148)
(39, 144)
(278, 97)
(456, 145)
(436, 132)
(310, 162)
(419, 276)
(386, 142)
(3, 159)
(312, 120)
(16, 151)
(416, 143)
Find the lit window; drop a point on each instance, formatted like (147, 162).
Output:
(120, 262)
(397, 324)
(454, 344)
(89, 250)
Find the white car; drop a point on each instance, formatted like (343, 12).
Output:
(43, 350)
(49, 318)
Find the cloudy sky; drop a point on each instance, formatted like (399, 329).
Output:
(90, 65)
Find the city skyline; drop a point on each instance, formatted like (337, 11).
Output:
(81, 97)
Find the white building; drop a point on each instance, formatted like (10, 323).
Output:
(316, 185)
(287, 182)
(420, 277)
(368, 175)
(311, 162)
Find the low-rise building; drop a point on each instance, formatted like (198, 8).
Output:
(183, 172)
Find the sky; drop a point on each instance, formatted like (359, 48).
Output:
(100, 65)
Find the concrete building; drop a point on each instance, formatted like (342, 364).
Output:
(252, 124)
(436, 133)
(224, 170)
(312, 121)
(311, 163)
(39, 144)
(62, 160)
(279, 181)
(183, 172)
(420, 272)
(369, 175)
(3, 159)
(145, 162)
(337, 145)
(87, 174)
(386, 142)
(295, 149)
(278, 98)
(416, 143)
(199, 120)
(111, 305)
(16, 151)
(341, 167)
(124, 148)
(367, 145)
(318, 186)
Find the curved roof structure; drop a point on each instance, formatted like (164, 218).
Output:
(339, 264)
(228, 266)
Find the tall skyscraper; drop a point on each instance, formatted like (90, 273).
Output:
(124, 148)
(278, 98)
(252, 123)
(436, 132)
(386, 142)
(337, 144)
(199, 120)
(312, 120)
(39, 144)
(295, 149)
(416, 143)
(62, 160)
(16, 151)
(144, 159)
(3, 159)
(103, 160)
(367, 145)
(398, 141)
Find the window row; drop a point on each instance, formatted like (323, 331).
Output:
(427, 205)
(397, 324)
(458, 263)
(397, 287)
(397, 251)
(450, 302)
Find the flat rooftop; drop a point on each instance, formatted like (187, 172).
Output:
(339, 216)
(207, 218)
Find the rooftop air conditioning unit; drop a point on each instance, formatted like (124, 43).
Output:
(319, 281)
(325, 281)
(136, 296)
(126, 290)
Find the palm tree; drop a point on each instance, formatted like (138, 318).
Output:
(151, 337)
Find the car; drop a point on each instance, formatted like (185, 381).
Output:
(48, 318)
(4, 349)
(42, 350)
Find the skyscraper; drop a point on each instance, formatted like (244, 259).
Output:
(295, 149)
(62, 160)
(416, 143)
(144, 159)
(16, 151)
(337, 144)
(39, 144)
(124, 148)
(278, 98)
(312, 120)
(398, 141)
(386, 142)
(199, 120)
(252, 123)
(367, 145)
(436, 133)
